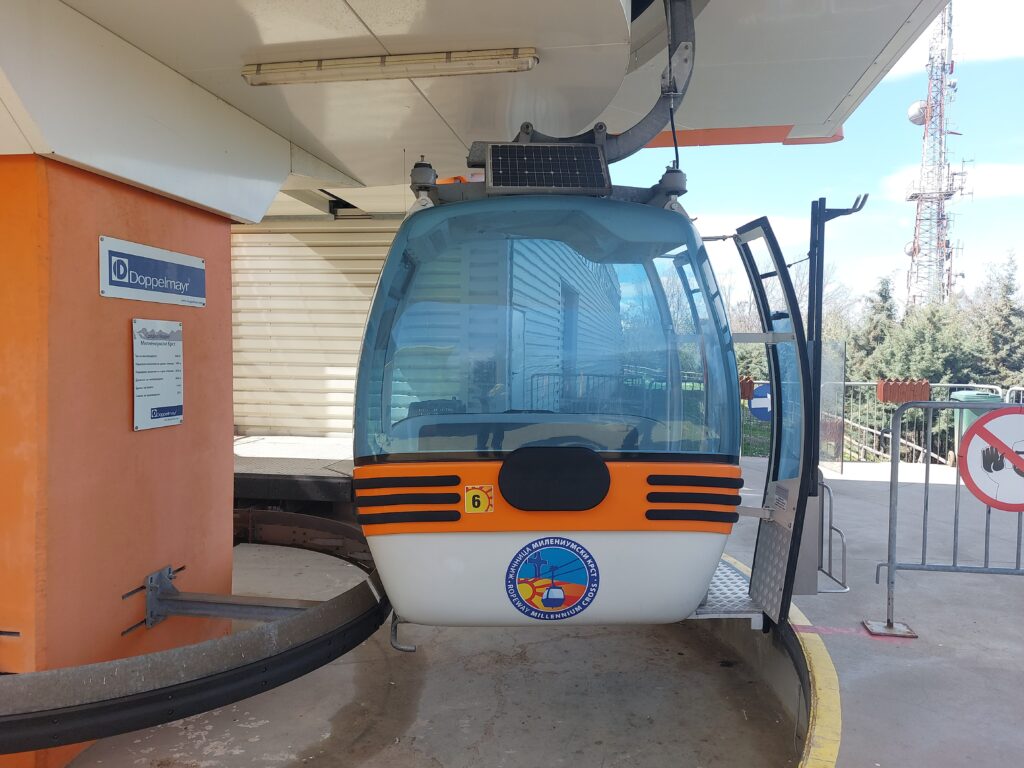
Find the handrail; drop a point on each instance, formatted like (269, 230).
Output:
(902, 441)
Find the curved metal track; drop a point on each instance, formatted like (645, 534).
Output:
(66, 706)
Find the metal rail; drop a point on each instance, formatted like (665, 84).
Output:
(888, 436)
(890, 627)
(864, 412)
(826, 564)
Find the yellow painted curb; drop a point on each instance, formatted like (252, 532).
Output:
(825, 721)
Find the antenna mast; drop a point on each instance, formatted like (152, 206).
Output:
(930, 278)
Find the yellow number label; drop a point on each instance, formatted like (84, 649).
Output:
(479, 498)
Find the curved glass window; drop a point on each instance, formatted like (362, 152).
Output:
(519, 321)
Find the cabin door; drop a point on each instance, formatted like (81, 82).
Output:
(785, 494)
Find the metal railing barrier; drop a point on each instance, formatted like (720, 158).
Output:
(829, 530)
(867, 424)
(971, 535)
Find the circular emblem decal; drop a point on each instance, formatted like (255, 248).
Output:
(551, 579)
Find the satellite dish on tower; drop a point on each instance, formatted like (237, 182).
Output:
(916, 113)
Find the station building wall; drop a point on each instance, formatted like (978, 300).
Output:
(301, 291)
(88, 506)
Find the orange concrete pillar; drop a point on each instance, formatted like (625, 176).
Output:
(88, 506)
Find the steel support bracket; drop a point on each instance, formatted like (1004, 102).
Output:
(158, 584)
(763, 338)
(163, 600)
(763, 513)
(398, 646)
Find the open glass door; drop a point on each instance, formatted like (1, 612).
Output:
(778, 539)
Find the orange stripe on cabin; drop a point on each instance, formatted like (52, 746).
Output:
(623, 509)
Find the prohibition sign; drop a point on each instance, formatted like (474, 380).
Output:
(991, 459)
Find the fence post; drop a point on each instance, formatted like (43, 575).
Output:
(891, 628)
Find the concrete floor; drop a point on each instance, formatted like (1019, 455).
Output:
(651, 696)
(954, 696)
(595, 696)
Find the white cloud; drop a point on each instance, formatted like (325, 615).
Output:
(984, 181)
(897, 184)
(992, 180)
(983, 30)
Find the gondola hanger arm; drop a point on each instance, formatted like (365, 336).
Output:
(674, 83)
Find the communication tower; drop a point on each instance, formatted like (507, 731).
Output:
(930, 278)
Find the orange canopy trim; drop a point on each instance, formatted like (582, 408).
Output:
(757, 134)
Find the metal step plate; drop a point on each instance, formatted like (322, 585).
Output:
(729, 598)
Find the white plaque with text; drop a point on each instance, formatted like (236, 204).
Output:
(159, 378)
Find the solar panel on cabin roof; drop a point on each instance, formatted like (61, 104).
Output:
(547, 167)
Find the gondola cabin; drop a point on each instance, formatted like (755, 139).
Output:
(547, 418)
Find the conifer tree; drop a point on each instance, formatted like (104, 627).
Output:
(932, 343)
(996, 316)
(867, 347)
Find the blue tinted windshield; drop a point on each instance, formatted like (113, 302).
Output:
(523, 321)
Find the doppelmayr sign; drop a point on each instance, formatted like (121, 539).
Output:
(144, 273)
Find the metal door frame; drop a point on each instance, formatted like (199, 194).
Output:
(778, 537)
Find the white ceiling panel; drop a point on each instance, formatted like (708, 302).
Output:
(363, 128)
(773, 63)
(804, 63)
(85, 96)
(197, 35)
(552, 104)
(12, 140)
(408, 26)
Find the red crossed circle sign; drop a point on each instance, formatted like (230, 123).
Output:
(991, 459)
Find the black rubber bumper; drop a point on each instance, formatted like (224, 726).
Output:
(27, 731)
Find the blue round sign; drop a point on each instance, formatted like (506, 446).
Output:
(761, 403)
(552, 578)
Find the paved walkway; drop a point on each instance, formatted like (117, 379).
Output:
(649, 696)
(955, 696)
(618, 697)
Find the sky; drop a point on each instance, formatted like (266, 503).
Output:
(880, 155)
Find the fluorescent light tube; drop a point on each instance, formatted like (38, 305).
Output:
(392, 67)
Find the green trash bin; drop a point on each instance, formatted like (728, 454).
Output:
(970, 415)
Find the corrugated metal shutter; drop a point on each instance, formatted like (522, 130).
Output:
(300, 292)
